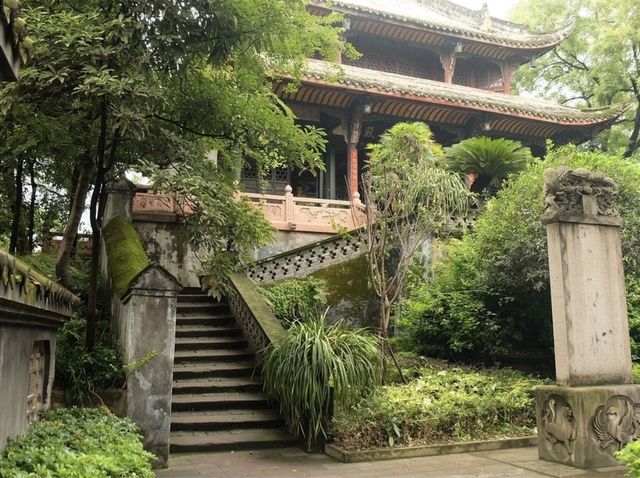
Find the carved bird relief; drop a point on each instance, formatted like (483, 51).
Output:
(558, 426)
(616, 423)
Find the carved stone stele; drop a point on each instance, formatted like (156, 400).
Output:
(595, 410)
(590, 324)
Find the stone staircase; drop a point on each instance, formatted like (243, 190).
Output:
(218, 402)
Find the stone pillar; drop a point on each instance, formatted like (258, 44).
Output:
(147, 326)
(594, 410)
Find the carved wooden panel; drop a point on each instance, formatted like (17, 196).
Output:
(37, 380)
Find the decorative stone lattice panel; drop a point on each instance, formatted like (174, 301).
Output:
(256, 319)
(254, 334)
(305, 260)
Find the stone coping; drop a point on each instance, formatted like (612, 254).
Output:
(258, 307)
(379, 454)
(23, 285)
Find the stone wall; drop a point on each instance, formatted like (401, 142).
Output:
(32, 309)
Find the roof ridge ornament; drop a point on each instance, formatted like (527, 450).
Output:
(485, 16)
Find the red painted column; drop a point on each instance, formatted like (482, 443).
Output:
(352, 168)
(506, 78)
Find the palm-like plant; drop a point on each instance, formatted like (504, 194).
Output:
(491, 160)
(317, 366)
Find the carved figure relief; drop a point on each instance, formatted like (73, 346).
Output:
(558, 428)
(615, 423)
(565, 188)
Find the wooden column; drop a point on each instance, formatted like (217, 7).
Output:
(448, 61)
(352, 136)
(507, 70)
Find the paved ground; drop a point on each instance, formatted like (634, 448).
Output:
(294, 463)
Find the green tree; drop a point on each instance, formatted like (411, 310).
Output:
(494, 283)
(491, 160)
(158, 85)
(597, 66)
(409, 197)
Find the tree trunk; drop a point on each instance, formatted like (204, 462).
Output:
(71, 229)
(17, 209)
(95, 213)
(32, 207)
(632, 145)
(383, 333)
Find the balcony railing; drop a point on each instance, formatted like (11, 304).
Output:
(286, 213)
(291, 213)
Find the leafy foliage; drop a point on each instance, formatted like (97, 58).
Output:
(80, 372)
(78, 442)
(296, 299)
(45, 263)
(316, 367)
(630, 456)
(408, 197)
(501, 268)
(596, 66)
(441, 406)
(492, 159)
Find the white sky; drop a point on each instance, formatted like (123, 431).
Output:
(497, 8)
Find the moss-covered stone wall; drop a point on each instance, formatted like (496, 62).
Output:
(349, 294)
(125, 254)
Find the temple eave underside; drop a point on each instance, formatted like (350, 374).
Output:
(455, 115)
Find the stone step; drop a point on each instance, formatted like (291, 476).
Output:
(184, 442)
(213, 319)
(197, 297)
(219, 401)
(207, 331)
(201, 307)
(225, 420)
(196, 343)
(209, 370)
(216, 385)
(212, 355)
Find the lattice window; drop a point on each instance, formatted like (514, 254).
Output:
(281, 175)
(38, 365)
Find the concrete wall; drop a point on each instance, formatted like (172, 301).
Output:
(145, 321)
(166, 245)
(16, 346)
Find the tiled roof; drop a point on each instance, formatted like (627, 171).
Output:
(452, 19)
(379, 82)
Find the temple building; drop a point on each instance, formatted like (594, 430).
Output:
(421, 60)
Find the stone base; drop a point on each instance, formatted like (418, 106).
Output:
(585, 426)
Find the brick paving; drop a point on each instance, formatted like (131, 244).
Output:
(294, 463)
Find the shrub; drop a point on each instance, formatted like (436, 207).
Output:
(502, 266)
(80, 372)
(296, 299)
(317, 366)
(630, 456)
(77, 443)
(441, 406)
(45, 263)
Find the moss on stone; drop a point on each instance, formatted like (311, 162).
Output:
(349, 293)
(125, 253)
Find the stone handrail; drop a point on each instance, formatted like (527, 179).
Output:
(23, 284)
(302, 214)
(306, 259)
(259, 325)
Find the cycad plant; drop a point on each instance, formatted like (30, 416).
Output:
(491, 159)
(315, 367)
